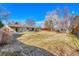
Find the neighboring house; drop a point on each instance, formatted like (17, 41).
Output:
(22, 28)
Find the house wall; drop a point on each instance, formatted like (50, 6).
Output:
(23, 29)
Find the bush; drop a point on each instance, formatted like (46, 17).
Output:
(1, 24)
(4, 37)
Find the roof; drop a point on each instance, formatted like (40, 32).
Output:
(16, 25)
(21, 25)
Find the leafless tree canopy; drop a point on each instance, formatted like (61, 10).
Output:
(52, 18)
(68, 22)
(4, 14)
(30, 22)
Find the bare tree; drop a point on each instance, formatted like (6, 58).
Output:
(30, 22)
(4, 14)
(48, 21)
(4, 32)
(52, 18)
(60, 26)
(72, 22)
(68, 20)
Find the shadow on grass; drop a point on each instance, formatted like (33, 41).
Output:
(17, 48)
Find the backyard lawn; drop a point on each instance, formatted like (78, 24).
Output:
(55, 43)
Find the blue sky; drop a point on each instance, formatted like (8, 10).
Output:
(37, 11)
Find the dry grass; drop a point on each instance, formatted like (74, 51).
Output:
(55, 43)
